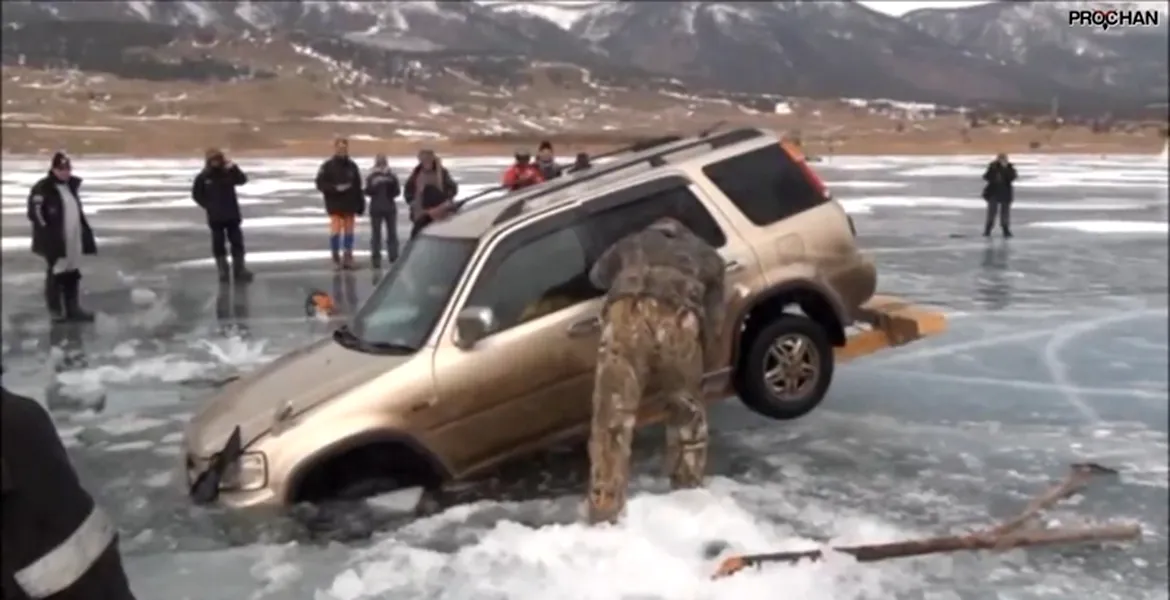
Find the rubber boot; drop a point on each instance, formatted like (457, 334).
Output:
(221, 265)
(239, 270)
(348, 263)
(71, 287)
(336, 261)
(376, 260)
(53, 297)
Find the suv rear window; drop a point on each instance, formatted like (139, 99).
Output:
(766, 184)
(607, 227)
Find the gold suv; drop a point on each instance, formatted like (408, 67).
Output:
(480, 344)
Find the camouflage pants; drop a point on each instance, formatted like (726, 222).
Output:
(645, 345)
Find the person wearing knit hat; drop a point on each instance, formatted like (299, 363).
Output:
(61, 235)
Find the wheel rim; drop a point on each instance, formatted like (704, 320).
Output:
(791, 367)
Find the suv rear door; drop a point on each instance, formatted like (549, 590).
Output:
(610, 219)
(784, 208)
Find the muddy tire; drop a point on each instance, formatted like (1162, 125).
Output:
(787, 369)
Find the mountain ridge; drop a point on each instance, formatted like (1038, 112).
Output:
(1012, 55)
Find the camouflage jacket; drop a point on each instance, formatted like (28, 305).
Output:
(669, 263)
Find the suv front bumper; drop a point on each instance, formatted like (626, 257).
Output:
(888, 322)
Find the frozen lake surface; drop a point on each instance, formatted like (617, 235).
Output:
(1057, 352)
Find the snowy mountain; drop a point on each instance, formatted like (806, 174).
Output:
(1037, 35)
(803, 48)
(1015, 54)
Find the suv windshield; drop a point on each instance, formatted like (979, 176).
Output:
(405, 306)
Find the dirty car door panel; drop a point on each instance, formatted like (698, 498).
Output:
(519, 383)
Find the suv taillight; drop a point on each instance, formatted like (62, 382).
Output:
(811, 176)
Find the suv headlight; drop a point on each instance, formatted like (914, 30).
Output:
(248, 474)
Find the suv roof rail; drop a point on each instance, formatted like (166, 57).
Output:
(665, 147)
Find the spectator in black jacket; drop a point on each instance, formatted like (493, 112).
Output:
(61, 235)
(382, 188)
(214, 190)
(998, 193)
(57, 543)
(340, 181)
(427, 208)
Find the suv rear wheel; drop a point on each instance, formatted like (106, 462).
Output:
(787, 369)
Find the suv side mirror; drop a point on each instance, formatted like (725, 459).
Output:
(472, 324)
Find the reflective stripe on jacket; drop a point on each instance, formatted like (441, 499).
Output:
(57, 543)
(64, 565)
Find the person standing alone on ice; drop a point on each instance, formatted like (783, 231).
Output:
(998, 193)
(61, 235)
(382, 188)
(662, 317)
(214, 190)
(340, 181)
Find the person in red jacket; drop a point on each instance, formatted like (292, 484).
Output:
(523, 173)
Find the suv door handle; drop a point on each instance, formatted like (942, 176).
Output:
(584, 327)
(732, 266)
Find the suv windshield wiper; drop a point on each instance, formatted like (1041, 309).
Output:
(346, 337)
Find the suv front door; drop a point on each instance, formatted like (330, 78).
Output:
(520, 384)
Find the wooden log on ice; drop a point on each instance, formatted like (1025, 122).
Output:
(937, 545)
(1008, 534)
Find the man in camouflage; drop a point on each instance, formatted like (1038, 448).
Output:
(663, 312)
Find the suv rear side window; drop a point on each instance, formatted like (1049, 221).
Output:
(766, 184)
(607, 227)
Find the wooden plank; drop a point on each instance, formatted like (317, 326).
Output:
(895, 322)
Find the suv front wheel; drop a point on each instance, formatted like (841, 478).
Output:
(787, 369)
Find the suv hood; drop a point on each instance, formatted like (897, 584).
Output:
(303, 379)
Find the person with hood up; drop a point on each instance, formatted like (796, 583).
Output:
(522, 173)
(662, 317)
(546, 161)
(58, 544)
(340, 181)
(427, 207)
(382, 187)
(214, 190)
(61, 235)
(998, 193)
